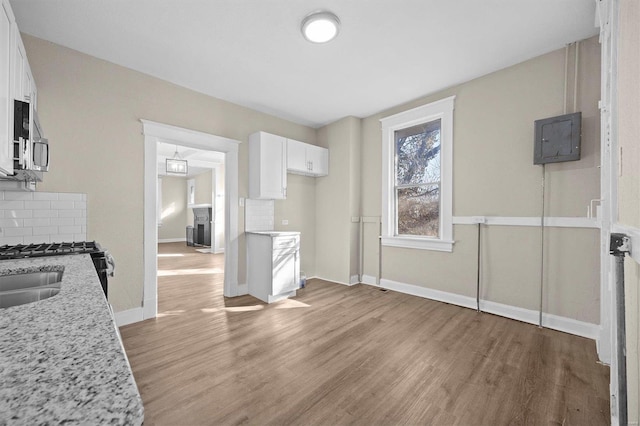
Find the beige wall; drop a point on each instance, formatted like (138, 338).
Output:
(204, 188)
(174, 208)
(299, 210)
(337, 201)
(629, 179)
(494, 175)
(90, 111)
(91, 108)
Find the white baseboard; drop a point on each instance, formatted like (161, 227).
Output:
(172, 240)
(354, 279)
(129, 316)
(370, 280)
(554, 322)
(243, 289)
(331, 280)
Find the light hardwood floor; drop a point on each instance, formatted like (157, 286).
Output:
(349, 355)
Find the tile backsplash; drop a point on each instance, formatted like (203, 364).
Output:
(259, 215)
(42, 217)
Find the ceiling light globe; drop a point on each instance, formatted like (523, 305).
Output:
(320, 27)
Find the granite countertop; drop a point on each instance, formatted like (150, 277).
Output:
(61, 360)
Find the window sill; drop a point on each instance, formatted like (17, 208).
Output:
(418, 243)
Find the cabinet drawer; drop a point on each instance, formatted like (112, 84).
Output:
(285, 243)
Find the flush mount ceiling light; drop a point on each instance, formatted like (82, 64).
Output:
(176, 165)
(320, 27)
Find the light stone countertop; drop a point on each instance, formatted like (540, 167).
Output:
(61, 360)
(274, 233)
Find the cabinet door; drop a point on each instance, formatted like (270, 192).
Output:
(318, 159)
(296, 157)
(6, 101)
(267, 166)
(284, 273)
(19, 68)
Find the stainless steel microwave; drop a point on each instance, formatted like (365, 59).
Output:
(30, 149)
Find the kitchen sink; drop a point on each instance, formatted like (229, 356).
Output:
(19, 289)
(29, 280)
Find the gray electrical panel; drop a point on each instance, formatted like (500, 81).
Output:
(557, 139)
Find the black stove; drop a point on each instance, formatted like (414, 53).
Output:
(102, 260)
(47, 249)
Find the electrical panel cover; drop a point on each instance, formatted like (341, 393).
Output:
(557, 139)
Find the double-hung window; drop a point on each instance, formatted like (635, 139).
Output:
(417, 151)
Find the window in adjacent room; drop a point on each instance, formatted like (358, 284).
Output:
(417, 177)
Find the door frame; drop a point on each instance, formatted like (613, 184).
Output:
(158, 132)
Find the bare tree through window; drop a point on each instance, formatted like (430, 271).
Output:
(417, 186)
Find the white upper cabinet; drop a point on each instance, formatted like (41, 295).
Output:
(7, 23)
(267, 166)
(296, 156)
(318, 159)
(306, 159)
(16, 82)
(23, 83)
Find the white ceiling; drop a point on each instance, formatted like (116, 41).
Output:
(251, 52)
(198, 160)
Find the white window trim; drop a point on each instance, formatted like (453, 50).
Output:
(443, 110)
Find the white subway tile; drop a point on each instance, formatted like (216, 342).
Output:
(62, 238)
(1, 213)
(1, 195)
(37, 239)
(17, 232)
(69, 229)
(45, 213)
(12, 205)
(84, 229)
(11, 240)
(63, 221)
(17, 195)
(11, 223)
(41, 221)
(84, 197)
(45, 230)
(50, 196)
(62, 205)
(79, 237)
(79, 204)
(70, 213)
(38, 205)
(78, 221)
(18, 213)
(70, 196)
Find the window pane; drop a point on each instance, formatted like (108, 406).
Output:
(419, 210)
(418, 154)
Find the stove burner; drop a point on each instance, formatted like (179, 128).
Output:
(47, 249)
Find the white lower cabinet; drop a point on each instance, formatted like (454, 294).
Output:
(273, 264)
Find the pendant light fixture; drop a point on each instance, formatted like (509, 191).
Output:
(320, 27)
(176, 165)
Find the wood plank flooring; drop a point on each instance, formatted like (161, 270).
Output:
(339, 355)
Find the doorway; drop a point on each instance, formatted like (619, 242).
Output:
(158, 133)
